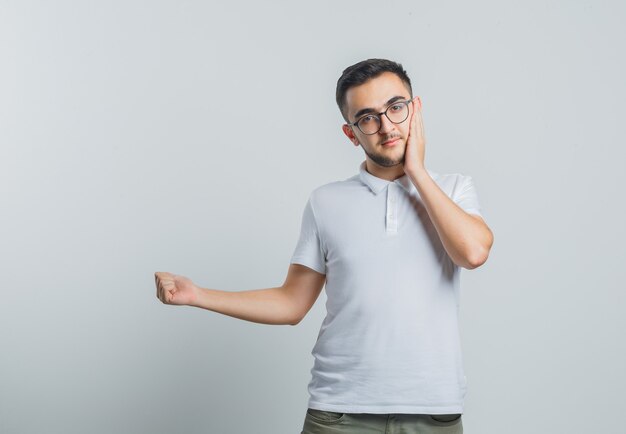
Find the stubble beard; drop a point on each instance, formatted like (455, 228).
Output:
(383, 160)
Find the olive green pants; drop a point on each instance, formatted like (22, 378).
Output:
(330, 422)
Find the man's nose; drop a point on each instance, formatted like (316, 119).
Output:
(385, 124)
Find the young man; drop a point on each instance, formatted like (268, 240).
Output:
(387, 243)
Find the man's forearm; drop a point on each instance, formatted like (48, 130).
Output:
(466, 239)
(266, 306)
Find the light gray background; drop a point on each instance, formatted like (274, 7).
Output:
(144, 136)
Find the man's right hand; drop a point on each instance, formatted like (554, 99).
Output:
(175, 289)
(285, 304)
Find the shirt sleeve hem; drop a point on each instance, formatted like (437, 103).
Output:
(308, 264)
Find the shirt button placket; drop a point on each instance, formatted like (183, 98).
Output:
(392, 215)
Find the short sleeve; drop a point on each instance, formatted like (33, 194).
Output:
(308, 250)
(465, 196)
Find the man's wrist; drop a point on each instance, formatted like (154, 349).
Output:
(418, 174)
(198, 294)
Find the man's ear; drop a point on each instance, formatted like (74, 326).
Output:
(348, 132)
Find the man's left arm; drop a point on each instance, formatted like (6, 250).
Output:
(466, 237)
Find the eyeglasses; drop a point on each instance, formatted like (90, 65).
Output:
(370, 123)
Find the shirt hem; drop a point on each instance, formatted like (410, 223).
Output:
(387, 408)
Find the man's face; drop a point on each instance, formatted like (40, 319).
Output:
(374, 96)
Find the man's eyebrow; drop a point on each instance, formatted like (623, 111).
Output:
(370, 110)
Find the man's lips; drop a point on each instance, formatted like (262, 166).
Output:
(391, 142)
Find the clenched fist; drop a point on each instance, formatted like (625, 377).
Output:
(175, 289)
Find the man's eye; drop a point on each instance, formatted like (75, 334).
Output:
(367, 119)
(397, 107)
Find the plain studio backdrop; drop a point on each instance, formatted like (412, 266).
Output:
(143, 136)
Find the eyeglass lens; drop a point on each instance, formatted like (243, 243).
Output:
(397, 113)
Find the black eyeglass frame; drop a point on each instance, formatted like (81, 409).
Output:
(379, 116)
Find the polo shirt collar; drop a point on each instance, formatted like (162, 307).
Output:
(378, 184)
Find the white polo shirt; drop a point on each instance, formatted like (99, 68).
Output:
(390, 340)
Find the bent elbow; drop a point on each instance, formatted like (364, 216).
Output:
(296, 320)
(477, 258)
(479, 254)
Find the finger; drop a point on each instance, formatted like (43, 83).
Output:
(169, 287)
(414, 120)
(418, 121)
(163, 293)
(162, 280)
(416, 101)
(162, 290)
(421, 125)
(411, 120)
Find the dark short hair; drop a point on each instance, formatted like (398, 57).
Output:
(363, 71)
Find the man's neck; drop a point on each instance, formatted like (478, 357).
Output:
(388, 173)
